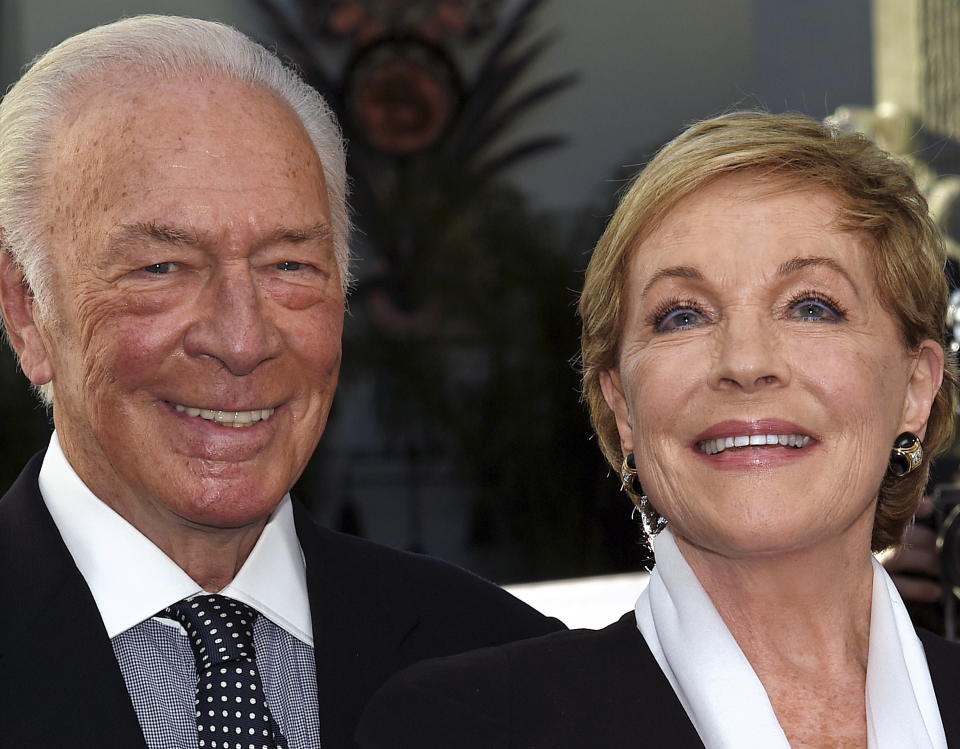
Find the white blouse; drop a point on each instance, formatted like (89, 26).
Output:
(722, 694)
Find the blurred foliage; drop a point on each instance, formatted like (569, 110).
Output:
(495, 388)
(467, 322)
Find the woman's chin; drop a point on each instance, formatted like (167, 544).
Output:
(761, 540)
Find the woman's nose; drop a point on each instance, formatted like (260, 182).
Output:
(233, 325)
(750, 354)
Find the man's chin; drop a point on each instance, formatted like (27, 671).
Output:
(225, 516)
(232, 502)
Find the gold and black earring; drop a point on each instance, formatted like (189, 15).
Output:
(628, 476)
(642, 510)
(906, 455)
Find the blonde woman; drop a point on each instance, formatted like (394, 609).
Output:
(762, 361)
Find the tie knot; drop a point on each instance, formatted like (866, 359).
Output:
(219, 628)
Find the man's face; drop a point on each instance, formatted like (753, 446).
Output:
(195, 332)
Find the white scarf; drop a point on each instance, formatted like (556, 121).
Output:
(722, 695)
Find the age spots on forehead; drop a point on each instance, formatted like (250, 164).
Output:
(94, 120)
(78, 188)
(151, 137)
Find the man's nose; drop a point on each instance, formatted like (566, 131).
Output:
(233, 325)
(750, 354)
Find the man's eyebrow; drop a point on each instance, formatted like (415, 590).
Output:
(178, 236)
(319, 233)
(152, 230)
(811, 261)
(676, 271)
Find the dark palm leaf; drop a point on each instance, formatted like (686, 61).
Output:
(299, 45)
(517, 153)
(515, 28)
(482, 135)
(498, 80)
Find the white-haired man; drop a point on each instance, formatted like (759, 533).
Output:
(172, 276)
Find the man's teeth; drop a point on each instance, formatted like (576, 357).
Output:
(237, 419)
(718, 445)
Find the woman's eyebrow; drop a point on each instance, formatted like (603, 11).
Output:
(794, 265)
(675, 271)
(797, 264)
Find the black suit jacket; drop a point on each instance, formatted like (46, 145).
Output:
(571, 690)
(375, 611)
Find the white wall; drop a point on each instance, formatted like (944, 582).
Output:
(645, 67)
(43, 23)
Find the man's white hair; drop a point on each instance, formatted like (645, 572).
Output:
(165, 46)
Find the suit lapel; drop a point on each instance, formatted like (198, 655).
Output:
(656, 714)
(360, 624)
(358, 627)
(943, 660)
(60, 684)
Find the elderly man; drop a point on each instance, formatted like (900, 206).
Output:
(174, 228)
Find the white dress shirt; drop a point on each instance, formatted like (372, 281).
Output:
(132, 580)
(723, 696)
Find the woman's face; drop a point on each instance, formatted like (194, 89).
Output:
(749, 315)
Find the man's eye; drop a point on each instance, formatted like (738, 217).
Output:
(161, 268)
(679, 319)
(290, 265)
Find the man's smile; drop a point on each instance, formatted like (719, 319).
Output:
(224, 417)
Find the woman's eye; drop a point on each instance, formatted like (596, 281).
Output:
(679, 319)
(817, 310)
(160, 269)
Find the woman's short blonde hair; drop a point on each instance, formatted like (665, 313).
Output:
(879, 198)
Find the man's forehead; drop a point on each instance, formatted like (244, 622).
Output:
(124, 107)
(153, 138)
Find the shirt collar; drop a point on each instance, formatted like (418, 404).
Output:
(722, 694)
(116, 559)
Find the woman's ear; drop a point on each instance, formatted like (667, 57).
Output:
(613, 394)
(923, 386)
(19, 318)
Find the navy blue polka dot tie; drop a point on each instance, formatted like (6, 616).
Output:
(232, 711)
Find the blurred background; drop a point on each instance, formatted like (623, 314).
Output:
(488, 140)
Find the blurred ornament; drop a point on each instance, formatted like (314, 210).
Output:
(366, 21)
(401, 95)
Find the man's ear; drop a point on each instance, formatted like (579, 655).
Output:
(612, 390)
(923, 387)
(19, 318)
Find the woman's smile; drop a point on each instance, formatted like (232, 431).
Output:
(718, 445)
(761, 443)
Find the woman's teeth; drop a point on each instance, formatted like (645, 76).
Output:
(718, 445)
(238, 419)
